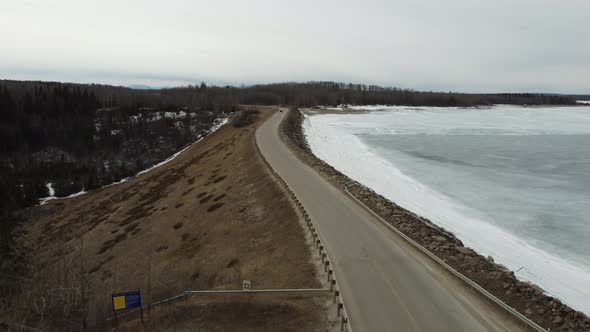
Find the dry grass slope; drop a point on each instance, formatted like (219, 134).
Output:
(207, 220)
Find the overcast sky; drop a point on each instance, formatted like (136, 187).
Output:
(459, 45)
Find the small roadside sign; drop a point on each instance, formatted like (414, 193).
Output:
(127, 300)
(246, 286)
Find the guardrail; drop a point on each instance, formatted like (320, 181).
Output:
(261, 291)
(317, 242)
(186, 294)
(490, 297)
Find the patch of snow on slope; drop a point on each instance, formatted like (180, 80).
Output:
(218, 124)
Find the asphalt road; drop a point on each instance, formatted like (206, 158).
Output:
(386, 285)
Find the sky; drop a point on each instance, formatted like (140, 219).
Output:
(451, 45)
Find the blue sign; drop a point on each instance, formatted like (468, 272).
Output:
(127, 300)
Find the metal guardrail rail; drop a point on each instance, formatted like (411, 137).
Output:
(328, 267)
(186, 294)
(261, 291)
(490, 297)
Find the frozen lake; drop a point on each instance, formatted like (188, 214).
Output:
(509, 181)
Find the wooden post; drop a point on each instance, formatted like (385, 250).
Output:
(116, 321)
(149, 286)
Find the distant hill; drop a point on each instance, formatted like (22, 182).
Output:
(581, 97)
(144, 87)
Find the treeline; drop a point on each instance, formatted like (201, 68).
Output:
(82, 136)
(333, 93)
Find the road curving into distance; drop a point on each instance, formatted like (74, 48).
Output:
(386, 284)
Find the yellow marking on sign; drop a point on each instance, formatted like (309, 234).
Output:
(119, 302)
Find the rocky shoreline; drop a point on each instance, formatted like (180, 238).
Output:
(527, 298)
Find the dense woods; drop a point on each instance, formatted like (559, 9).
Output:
(332, 93)
(80, 137)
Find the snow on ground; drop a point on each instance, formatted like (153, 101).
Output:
(213, 129)
(584, 102)
(160, 115)
(218, 124)
(51, 196)
(50, 189)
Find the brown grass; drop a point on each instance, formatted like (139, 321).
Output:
(214, 207)
(133, 223)
(285, 313)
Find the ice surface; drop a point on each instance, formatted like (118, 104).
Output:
(366, 148)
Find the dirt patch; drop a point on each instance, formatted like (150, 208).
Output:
(232, 263)
(219, 179)
(205, 199)
(214, 207)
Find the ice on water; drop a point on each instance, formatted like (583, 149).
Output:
(511, 182)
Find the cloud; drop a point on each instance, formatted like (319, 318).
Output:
(464, 45)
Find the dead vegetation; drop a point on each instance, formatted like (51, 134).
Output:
(287, 313)
(131, 239)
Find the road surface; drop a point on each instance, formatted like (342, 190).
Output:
(386, 284)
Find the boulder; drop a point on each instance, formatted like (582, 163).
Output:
(558, 320)
(463, 250)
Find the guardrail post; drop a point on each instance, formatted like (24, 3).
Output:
(344, 322)
(326, 264)
(330, 272)
(324, 259)
(340, 306)
(336, 294)
(332, 284)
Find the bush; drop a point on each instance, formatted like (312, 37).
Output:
(245, 118)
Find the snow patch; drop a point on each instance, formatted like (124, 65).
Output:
(216, 125)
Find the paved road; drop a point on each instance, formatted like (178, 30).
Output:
(385, 286)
